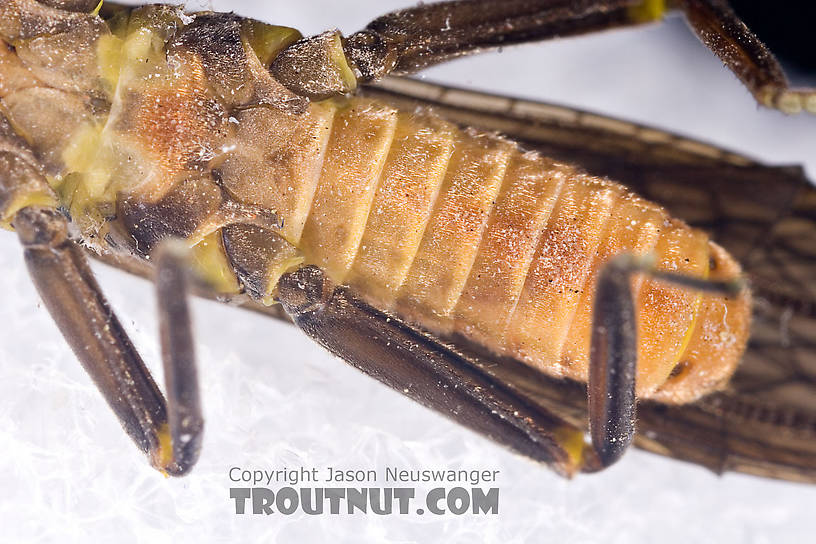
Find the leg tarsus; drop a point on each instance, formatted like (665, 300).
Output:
(719, 28)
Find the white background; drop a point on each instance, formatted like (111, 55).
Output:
(272, 399)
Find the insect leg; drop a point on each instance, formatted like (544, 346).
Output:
(70, 292)
(75, 301)
(430, 371)
(178, 354)
(749, 59)
(613, 350)
(408, 40)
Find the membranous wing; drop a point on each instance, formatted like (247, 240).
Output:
(765, 421)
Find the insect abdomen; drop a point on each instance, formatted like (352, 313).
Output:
(460, 231)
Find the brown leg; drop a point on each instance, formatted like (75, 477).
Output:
(720, 30)
(178, 354)
(430, 371)
(408, 40)
(613, 363)
(74, 299)
(412, 39)
(613, 351)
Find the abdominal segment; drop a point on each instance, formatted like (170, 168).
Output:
(462, 232)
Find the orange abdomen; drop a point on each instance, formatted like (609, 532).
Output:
(462, 232)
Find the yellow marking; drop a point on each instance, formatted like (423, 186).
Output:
(648, 10)
(572, 442)
(278, 269)
(80, 154)
(138, 45)
(31, 198)
(210, 263)
(695, 314)
(98, 7)
(338, 58)
(164, 456)
(268, 40)
(73, 194)
(91, 165)
(81, 204)
(109, 55)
